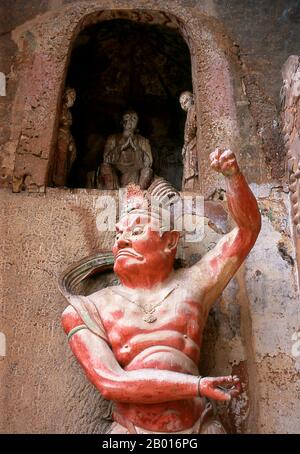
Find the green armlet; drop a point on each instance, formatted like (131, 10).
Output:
(75, 330)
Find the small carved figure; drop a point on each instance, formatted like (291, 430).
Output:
(189, 150)
(127, 157)
(139, 342)
(66, 148)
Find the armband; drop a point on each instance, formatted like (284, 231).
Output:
(75, 330)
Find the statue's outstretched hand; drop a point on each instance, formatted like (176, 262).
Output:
(220, 388)
(224, 161)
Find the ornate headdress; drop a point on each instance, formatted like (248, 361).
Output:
(157, 202)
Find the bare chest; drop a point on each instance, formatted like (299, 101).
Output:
(133, 326)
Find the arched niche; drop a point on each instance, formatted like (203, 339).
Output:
(46, 48)
(115, 66)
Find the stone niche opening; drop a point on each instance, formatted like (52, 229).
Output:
(117, 65)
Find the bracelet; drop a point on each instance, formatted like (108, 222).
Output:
(75, 330)
(199, 379)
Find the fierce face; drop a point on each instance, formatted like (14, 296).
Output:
(143, 258)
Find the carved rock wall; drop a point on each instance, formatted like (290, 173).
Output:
(233, 108)
(42, 387)
(254, 329)
(290, 98)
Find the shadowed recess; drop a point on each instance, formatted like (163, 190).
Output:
(119, 65)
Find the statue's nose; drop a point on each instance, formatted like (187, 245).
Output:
(123, 242)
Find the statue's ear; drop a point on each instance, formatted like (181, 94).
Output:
(172, 239)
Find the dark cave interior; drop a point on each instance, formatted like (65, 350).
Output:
(119, 65)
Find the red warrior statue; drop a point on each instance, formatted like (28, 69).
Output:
(139, 342)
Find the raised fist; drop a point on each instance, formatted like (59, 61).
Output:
(220, 388)
(224, 161)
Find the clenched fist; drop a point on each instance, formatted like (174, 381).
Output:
(224, 161)
(220, 388)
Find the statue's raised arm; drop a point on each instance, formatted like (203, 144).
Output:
(219, 265)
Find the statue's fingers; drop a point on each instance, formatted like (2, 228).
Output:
(228, 151)
(233, 392)
(215, 154)
(215, 165)
(229, 168)
(235, 389)
(225, 380)
(218, 394)
(227, 154)
(228, 164)
(237, 384)
(215, 162)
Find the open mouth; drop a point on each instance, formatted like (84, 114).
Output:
(129, 253)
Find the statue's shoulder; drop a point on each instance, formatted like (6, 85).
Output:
(90, 309)
(187, 282)
(101, 296)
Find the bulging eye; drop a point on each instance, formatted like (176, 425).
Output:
(137, 231)
(118, 236)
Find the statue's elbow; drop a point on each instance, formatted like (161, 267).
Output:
(99, 383)
(110, 391)
(105, 391)
(67, 319)
(110, 387)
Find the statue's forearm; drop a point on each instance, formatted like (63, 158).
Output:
(146, 386)
(138, 386)
(153, 386)
(242, 205)
(221, 263)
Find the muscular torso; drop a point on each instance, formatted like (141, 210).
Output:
(171, 342)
